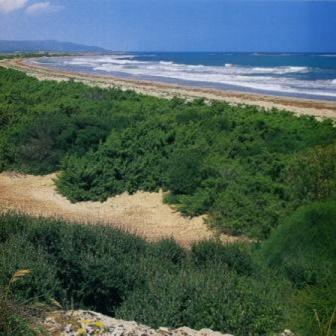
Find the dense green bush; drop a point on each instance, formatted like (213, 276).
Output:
(223, 287)
(236, 256)
(313, 310)
(184, 171)
(312, 175)
(161, 284)
(169, 249)
(213, 296)
(69, 261)
(303, 247)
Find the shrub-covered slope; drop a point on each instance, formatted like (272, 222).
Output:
(287, 281)
(245, 167)
(160, 284)
(303, 249)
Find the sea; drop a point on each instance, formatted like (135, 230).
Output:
(310, 76)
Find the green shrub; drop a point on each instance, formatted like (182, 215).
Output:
(237, 257)
(106, 270)
(169, 250)
(312, 174)
(250, 206)
(184, 171)
(303, 247)
(18, 253)
(314, 310)
(213, 297)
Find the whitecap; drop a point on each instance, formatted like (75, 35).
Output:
(327, 55)
(276, 79)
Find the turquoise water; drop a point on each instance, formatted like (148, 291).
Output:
(298, 75)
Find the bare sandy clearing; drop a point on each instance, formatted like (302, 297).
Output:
(142, 213)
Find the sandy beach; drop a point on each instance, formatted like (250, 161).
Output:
(316, 108)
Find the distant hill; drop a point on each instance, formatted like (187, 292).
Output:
(45, 45)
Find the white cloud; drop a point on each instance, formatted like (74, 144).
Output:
(7, 6)
(42, 8)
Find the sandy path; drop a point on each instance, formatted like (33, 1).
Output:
(142, 213)
(317, 108)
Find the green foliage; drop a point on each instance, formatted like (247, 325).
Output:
(314, 310)
(184, 171)
(15, 317)
(303, 247)
(314, 173)
(17, 253)
(12, 323)
(103, 269)
(254, 173)
(223, 287)
(244, 167)
(236, 257)
(212, 296)
(169, 249)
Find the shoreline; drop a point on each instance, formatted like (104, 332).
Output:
(300, 106)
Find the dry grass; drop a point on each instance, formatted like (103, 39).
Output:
(142, 213)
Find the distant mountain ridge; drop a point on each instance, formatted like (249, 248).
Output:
(46, 45)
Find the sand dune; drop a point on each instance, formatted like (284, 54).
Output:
(142, 213)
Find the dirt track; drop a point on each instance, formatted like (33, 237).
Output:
(142, 213)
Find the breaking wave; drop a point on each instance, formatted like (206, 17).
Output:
(282, 79)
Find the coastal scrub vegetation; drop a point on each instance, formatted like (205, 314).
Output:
(244, 289)
(244, 167)
(267, 175)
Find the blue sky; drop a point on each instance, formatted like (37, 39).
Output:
(176, 25)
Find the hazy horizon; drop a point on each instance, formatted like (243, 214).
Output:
(176, 26)
(179, 51)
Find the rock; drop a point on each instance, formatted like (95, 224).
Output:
(287, 332)
(87, 323)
